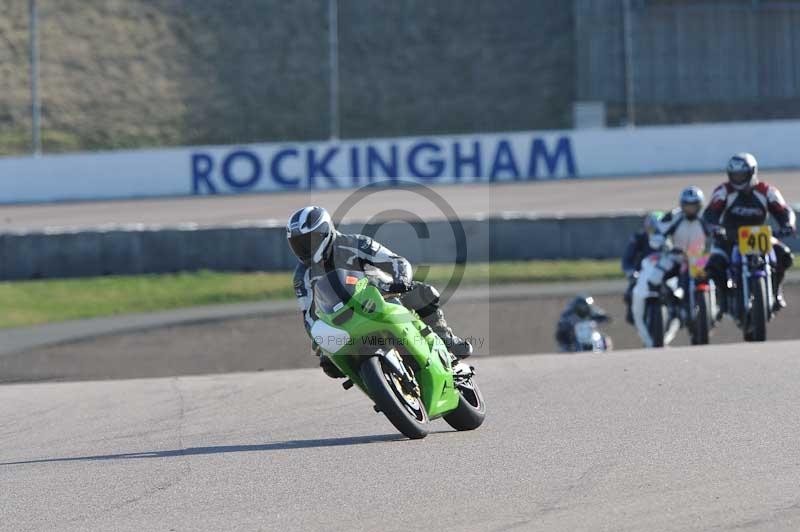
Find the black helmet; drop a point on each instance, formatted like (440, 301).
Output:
(743, 171)
(582, 306)
(310, 233)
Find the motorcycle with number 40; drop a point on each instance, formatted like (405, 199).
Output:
(392, 356)
(750, 292)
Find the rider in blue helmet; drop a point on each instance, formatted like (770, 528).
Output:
(638, 248)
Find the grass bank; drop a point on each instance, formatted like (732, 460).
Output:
(36, 302)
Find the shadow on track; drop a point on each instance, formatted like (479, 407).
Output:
(274, 446)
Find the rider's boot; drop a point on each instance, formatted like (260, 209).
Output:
(627, 298)
(722, 299)
(717, 272)
(777, 283)
(780, 301)
(459, 347)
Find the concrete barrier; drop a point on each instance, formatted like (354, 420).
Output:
(142, 250)
(426, 160)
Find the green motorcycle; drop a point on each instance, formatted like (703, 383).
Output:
(387, 351)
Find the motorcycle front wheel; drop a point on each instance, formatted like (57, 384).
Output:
(403, 409)
(654, 319)
(759, 312)
(702, 322)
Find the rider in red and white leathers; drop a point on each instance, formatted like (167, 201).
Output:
(744, 200)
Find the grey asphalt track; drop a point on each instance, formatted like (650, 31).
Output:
(664, 440)
(567, 197)
(668, 440)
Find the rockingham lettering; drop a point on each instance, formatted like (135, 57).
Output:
(489, 159)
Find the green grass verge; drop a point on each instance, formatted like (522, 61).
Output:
(36, 302)
(18, 142)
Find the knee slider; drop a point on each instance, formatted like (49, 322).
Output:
(787, 260)
(783, 256)
(423, 298)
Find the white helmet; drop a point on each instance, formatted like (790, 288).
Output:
(692, 201)
(310, 233)
(743, 171)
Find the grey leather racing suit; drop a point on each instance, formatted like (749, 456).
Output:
(356, 252)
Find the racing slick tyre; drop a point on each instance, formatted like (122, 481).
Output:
(404, 410)
(654, 318)
(759, 312)
(702, 323)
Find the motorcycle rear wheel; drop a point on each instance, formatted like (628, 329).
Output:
(407, 415)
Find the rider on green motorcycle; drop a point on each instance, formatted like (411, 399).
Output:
(319, 248)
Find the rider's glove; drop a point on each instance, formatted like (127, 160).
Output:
(602, 318)
(718, 231)
(786, 231)
(398, 286)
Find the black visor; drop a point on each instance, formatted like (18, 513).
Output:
(305, 245)
(740, 177)
(691, 209)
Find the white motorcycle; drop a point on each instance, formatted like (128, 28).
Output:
(589, 338)
(656, 301)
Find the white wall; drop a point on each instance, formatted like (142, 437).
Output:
(430, 160)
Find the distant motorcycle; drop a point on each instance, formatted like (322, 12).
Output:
(589, 337)
(699, 299)
(657, 297)
(749, 292)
